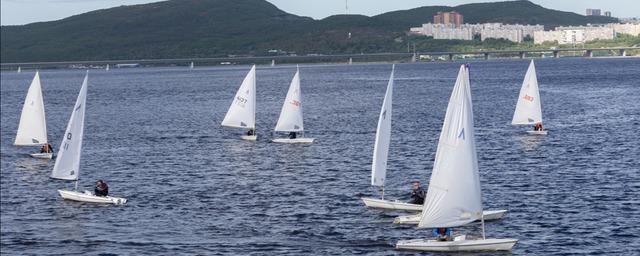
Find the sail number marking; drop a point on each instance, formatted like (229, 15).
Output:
(241, 100)
(527, 97)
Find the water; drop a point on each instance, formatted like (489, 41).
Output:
(195, 188)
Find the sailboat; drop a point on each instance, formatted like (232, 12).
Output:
(242, 112)
(107, 68)
(67, 166)
(379, 166)
(528, 109)
(273, 63)
(191, 65)
(32, 130)
(19, 69)
(291, 114)
(380, 154)
(454, 196)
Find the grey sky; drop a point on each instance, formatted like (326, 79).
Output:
(17, 12)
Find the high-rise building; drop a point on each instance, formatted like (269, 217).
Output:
(593, 12)
(446, 18)
(607, 13)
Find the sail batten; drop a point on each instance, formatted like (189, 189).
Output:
(454, 197)
(242, 112)
(67, 166)
(528, 109)
(32, 130)
(291, 119)
(383, 137)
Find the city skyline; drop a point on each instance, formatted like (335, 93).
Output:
(20, 12)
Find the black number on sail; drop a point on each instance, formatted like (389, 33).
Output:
(68, 136)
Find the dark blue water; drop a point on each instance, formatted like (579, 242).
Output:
(195, 188)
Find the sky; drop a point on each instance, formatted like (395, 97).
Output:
(19, 12)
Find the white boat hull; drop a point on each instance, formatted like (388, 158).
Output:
(457, 246)
(249, 137)
(293, 141)
(489, 215)
(90, 198)
(537, 132)
(391, 205)
(42, 155)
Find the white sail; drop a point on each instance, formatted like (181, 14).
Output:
(191, 65)
(67, 166)
(291, 114)
(32, 130)
(383, 136)
(454, 196)
(107, 68)
(242, 112)
(19, 69)
(528, 108)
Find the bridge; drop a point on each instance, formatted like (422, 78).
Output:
(339, 58)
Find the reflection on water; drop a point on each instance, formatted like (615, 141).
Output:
(529, 142)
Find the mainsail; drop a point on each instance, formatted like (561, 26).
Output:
(454, 197)
(67, 166)
(291, 114)
(383, 136)
(32, 130)
(242, 112)
(528, 108)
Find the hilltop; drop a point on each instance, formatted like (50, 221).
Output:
(210, 28)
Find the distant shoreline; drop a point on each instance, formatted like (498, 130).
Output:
(336, 59)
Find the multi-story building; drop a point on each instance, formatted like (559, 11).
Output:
(445, 31)
(626, 28)
(574, 34)
(446, 18)
(593, 12)
(515, 33)
(607, 13)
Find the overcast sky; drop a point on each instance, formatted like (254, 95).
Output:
(17, 12)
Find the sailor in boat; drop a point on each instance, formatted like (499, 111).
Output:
(417, 194)
(442, 234)
(46, 148)
(102, 189)
(292, 135)
(251, 132)
(537, 127)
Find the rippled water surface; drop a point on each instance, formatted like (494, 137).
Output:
(195, 188)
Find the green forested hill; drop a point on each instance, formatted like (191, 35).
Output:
(210, 28)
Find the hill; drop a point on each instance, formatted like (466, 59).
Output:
(210, 28)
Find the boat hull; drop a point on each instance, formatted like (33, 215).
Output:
(457, 246)
(249, 137)
(489, 215)
(87, 197)
(42, 155)
(293, 141)
(391, 205)
(537, 132)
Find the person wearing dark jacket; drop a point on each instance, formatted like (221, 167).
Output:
(418, 194)
(292, 135)
(102, 189)
(46, 148)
